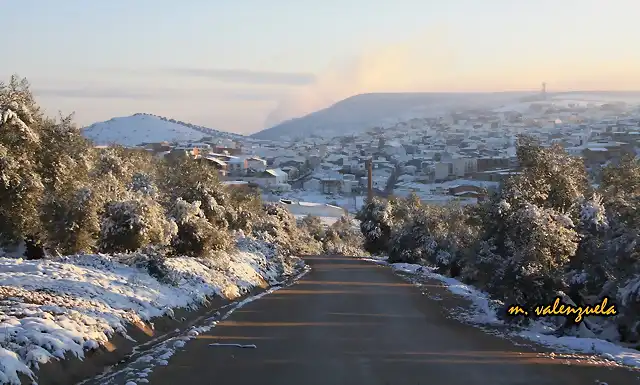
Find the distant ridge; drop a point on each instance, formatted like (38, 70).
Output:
(362, 112)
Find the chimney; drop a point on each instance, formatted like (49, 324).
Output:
(370, 179)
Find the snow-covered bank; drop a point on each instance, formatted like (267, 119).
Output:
(483, 312)
(52, 309)
(142, 365)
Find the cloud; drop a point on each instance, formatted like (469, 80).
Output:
(249, 76)
(138, 93)
(445, 60)
(237, 76)
(418, 64)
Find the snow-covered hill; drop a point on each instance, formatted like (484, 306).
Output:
(146, 128)
(362, 112)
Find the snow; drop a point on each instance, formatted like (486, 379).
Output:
(250, 346)
(483, 307)
(142, 363)
(328, 221)
(482, 312)
(136, 129)
(308, 198)
(360, 113)
(51, 309)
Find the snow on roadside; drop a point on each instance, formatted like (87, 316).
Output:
(482, 312)
(51, 309)
(142, 366)
(483, 308)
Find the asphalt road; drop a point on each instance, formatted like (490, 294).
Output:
(355, 323)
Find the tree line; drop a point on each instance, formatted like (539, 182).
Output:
(60, 195)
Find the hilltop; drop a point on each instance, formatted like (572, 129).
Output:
(146, 128)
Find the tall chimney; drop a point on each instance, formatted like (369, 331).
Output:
(370, 179)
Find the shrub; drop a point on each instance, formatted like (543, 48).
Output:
(196, 236)
(343, 238)
(314, 226)
(376, 225)
(279, 226)
(134, 223)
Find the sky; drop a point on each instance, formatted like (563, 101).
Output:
(245, 65)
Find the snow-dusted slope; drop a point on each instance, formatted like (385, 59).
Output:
(74, 304)
(137, 129)
(362, 112)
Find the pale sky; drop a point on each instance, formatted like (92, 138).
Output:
(243, 65)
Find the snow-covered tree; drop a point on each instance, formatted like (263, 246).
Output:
(277, 225)
(134, 223)
(195, 181)
(529, 235)
(143, 183)
(71, 217)
(21, 187)
(196, 236)
(550, 178)
(343, 238)
(314, 226)
(620, 189)
(243, 208)
(413, 242)
(377, 224)
(591, 267)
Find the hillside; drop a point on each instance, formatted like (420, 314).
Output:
(144, 128)
(362, 112)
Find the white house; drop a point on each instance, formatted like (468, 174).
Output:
(267, 178)
(279, 176)
(257, 164)
(463, 166)
(442, 170)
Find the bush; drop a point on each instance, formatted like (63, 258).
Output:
(277, 225)
(343, 238)
(72, 220)
(314, 226)
(133, 224)
(196, 236)
(376, 225)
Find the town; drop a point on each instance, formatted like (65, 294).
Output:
(459, 156)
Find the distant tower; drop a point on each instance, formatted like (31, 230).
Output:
(544, 91)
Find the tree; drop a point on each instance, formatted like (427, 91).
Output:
(195, 181)
(529, 234)
(134, 223)
(196, 236)
(314, 226)
(343, 238)
(21, 186)
(376, 224)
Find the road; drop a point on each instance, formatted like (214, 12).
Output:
(356, 323)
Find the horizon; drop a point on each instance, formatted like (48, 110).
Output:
(238, 67)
